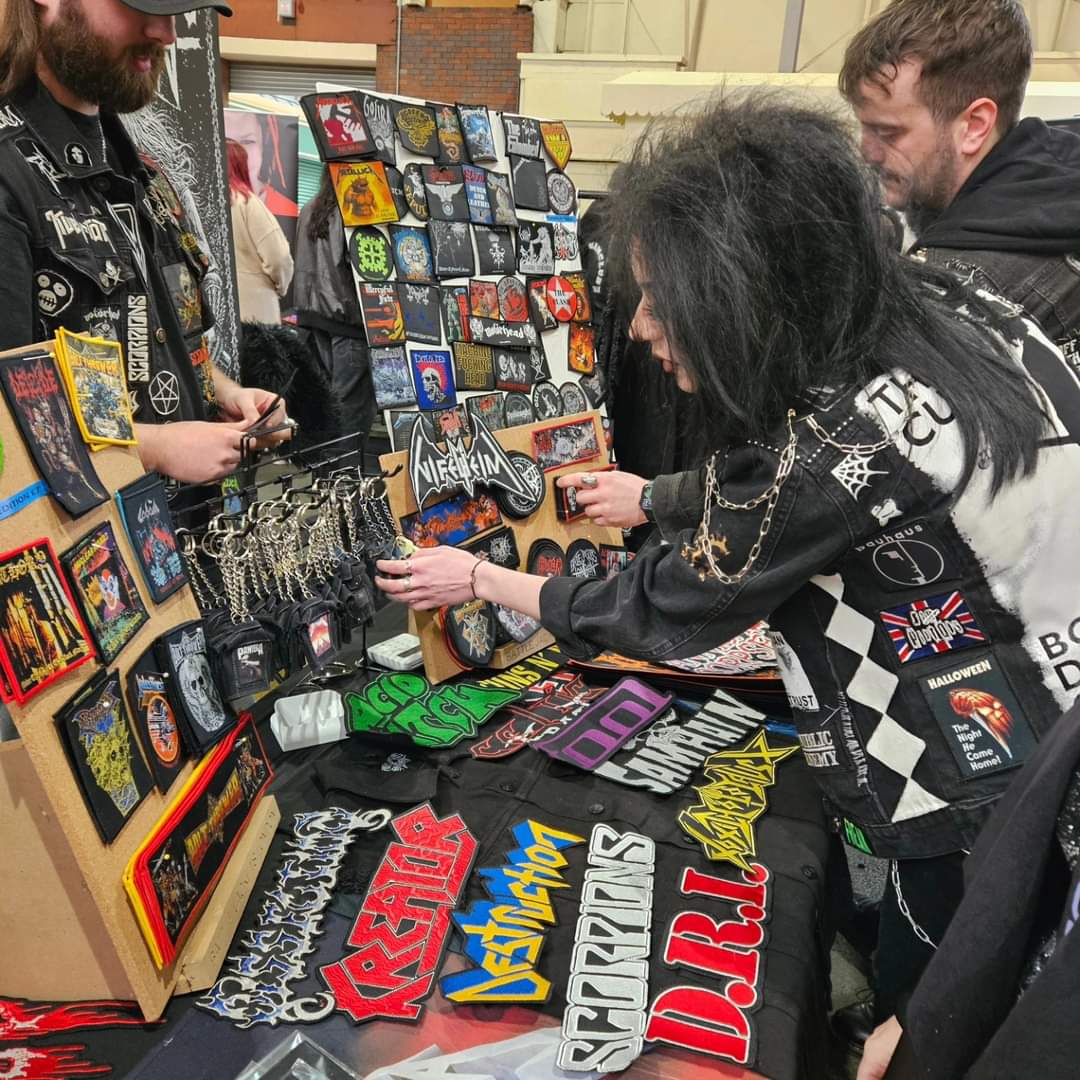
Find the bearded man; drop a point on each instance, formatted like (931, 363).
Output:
(91, 233)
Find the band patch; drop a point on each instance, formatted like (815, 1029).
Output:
(565, 444)
(911, 557)
(927, 627)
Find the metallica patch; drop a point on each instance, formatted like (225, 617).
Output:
(451, 242)
(384, 323)
(494, 250)
(529, 180)
(565, 444)
(36, 396)
(473, 369)
(469, 630)
(391, 376)
(337, 122)
(476, 127)
(501, 199)
(488, 408)
(42, 635)
(933, 625)
(978, 714)
(582, 559)
(96, 734)
(581, 349)
(416, 128)
(445, 187)
(144, 510)
(531, 475)
(518, 410)
(363, 193)
(476, 191)
(404, 920)
(412, 253)
(107, 595)
(154, 717)
(412, 186)
(401, 425)
(182, 656)
(380, 126)
(372, 258)
(520, 910)
(453, 521)
(455, 312)
(448, 130)
(536, 248)
(420, 306)
(433, 377)
(403, 703)
(556, 142)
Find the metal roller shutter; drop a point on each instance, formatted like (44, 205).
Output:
(289, 80)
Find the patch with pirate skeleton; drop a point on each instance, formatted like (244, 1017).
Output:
(182, 655)
(484, 464)
(476, 191)
(529, 180)
(337, 122)
(448, 130)
(445, 189)
(97, 737)
(494, 250)
(469, 629)
(420, 310)
(255, 986)
(416, 127)
(154, 718)
(451, 242)
(372, 258)
(501, 198)
(363, 194)
(532, 476)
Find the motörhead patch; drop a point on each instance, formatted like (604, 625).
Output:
(476, 127)
(503, 334)
(37, 400)
(420, 306)
(372, 258)
(470, 633)
(182, 656)
(546, 559)
(473, 367)
(529, 180)
(396, 183)
(416, 127)
(445, 188)
(476, 191)
(583, 560)
(154, 719)
(565, 444)
(513, 302)
(562, 196)
(391, 375)
(500, 548)
(516, 505)
(483, 299)
(494, 250)
(451, 242)
(433, 377)
(412, 253)
(337, 122)
(363, 194)
(579, 283)
(412, 185)
(513, 371)
(455, 312)
(448, 130)
(979, 716)
(573, 399)
(384, 322)
(453, 521)
(501, 199)
(96, 733)
(43, 635)
(518, 410)
(104, 588)
(489, 409)
(556, 142)
(536, 248)
(401, 425)
(581, 349)
(561, 298)
(547, 401)
(522, 135)
(380, 125)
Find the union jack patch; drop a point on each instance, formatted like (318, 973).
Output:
(933, 625)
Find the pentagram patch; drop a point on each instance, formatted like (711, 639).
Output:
(371, 256)
(164, 393)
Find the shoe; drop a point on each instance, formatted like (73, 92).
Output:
(854, 1023)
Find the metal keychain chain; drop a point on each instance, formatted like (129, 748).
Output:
(901, 903)
(207, 597)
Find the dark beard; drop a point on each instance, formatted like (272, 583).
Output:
(87, 65)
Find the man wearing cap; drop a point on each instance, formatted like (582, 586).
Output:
(94, 238)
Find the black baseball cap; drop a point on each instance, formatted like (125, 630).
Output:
(175, 7)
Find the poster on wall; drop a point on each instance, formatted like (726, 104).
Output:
(183, 131)
(271, 142)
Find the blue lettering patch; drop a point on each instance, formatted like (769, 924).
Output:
(933, 625)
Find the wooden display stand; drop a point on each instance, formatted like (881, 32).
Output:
(67, 931)
(544, 524)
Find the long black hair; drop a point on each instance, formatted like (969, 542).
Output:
(757, 228)
(324, 211)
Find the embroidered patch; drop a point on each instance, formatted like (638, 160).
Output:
(538, 359)
(396, 183)
(363, 193)
(483, 299)
(582, 559)
(494, 250)
(473, 367)
(93, 371)
(529, 180)
(446, 196)
(513, 302)
(854, 473)
(78, 156)
(42, 164)
(562, 195)
(578, 282)
(518, 410)
(182, 654)
(476, 192)
(910, 557)
(489, 409)
(371, 255)
(455, 312)
(536, 248)
(380, 125)
(513, 371)
(499, 547)
(604, 1019)
(556, 142)
(384, 323)
(433, 377)
(501, 199)
(420, 307)
(54, 293)
(448, 130)
(581, 349)
(450, 423)
(416, 128)
(573, 399)
(469, 631)
(565, 444)
(154, 720)
(532, 479)
(337, 122)
(476, 127)
(522, 135)
(722, 820)
(451, 522)
(566, 242)
(515, 625)
(502, 334)
(546, 559)
(541, 314)
(547, 401)
(505, 934)
(33, 1020)
(391, 377)
(797, 685)
(933, 625)
(451, 242)
(412, 253)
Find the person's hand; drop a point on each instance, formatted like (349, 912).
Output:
(615, 500)
(249, 405)
(879, 1050)
(429, 578)
(191, 451)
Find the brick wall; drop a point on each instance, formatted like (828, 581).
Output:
(459, 54)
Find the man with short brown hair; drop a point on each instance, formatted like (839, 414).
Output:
(937, 87)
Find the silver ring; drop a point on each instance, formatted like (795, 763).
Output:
(588, 480)
(407, 583)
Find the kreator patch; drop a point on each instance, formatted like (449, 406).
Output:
(930, 626)
(476, 127)
(337, 122)
(603, 1025)
(504, 935)
(256, 984)
(978, 713)
(370, 252)
(717, 1019)
(404, 920)
(363, 193)
(607, 724)
(663, 759)
(403, 703)
(384, 323)
(447, 199)
(556, 142)
(722, 819)
(452, 521)
(416, 128)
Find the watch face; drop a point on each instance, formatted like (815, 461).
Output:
(646, 497)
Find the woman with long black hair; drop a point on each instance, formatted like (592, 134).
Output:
(890, 479)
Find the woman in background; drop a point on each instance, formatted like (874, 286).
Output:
(264, 264)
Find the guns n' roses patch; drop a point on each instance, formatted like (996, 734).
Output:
(40, 407)
(93, 371)
(103, 585)
(96, 733)
(155, 721)
(42, 635)
(145, 512)
(363, 193)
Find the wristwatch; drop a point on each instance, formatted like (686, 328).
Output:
(646, 503)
